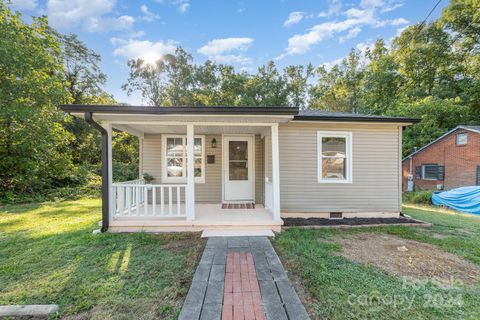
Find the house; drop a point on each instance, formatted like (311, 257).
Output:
(451, 161)
(251, 166)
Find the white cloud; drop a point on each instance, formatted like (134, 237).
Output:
(352, 33)
(219, 46)
(399, 21)
(348, 28)
(96, 24)
(334, 8)
(294, 18)
(364, 46)
(24, 4)
(331, 64)
(146, 50)
(383, 5)
(147, 14)
(223, 50)
(93, 16)
(183, 7)
(67, 13)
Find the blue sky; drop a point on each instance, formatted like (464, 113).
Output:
(246, 34)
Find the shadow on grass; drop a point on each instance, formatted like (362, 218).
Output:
(22, 208)
(121, 276)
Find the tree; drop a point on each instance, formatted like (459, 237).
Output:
(33, 143)
(382, 82)
(462, 18)
(266, 88)
(425, 61)
(82, 70)
(297, 78)
(339, 89)
(168, 82)
(437, 117)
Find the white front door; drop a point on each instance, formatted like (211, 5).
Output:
(238, 175)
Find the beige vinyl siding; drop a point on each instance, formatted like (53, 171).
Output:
(211, 190)
(376, 159)
(152, 156)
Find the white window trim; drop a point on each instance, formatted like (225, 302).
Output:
(349, 158)
(423, 172)
(165, 177)
(456, 138)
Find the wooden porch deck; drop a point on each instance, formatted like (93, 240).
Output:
(207, 216)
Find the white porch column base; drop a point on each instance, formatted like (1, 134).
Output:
(275, 173)
(190, 196)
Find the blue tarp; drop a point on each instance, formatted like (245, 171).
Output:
(464, 199)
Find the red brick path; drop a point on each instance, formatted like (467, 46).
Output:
(242, 299)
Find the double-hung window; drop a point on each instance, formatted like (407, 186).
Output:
(334, 157)
(174, 150)
(433, 172)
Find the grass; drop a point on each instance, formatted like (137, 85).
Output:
(49, 255)
(337, 288)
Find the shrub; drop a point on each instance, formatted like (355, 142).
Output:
(418, 197)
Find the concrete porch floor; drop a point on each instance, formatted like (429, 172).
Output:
(207, 216)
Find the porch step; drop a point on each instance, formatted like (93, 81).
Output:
(237, 233)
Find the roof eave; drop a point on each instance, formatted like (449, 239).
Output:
(75, 108)
(356, 119)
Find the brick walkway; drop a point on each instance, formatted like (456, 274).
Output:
(241, 278)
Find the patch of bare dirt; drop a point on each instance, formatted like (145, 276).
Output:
(403, 257)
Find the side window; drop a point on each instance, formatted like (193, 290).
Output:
(430, 172)
(174, 149)
(334, 157)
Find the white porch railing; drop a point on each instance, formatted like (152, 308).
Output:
(137, 199)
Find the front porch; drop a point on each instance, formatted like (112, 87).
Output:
(187, 193)
(146, 207)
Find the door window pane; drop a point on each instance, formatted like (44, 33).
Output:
(238, 170)
(238, 150)
(238, 160)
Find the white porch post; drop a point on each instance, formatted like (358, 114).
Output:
(190, 196)
(275, 173)
(111, 197)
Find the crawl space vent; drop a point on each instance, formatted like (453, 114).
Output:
(336, 215)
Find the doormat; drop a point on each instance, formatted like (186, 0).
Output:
(238, 205)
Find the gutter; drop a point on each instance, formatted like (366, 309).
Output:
(105, 172)
(355, 119)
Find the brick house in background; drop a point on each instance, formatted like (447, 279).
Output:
(451, 161)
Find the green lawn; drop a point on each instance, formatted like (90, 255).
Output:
(49, 255)
(337, 288)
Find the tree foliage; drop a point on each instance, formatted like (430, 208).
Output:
(430, 71)
(33, 142)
